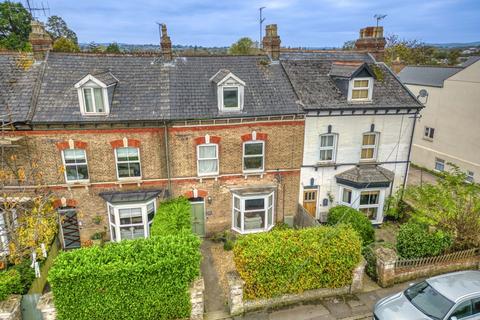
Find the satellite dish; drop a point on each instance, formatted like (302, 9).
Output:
(423, 93)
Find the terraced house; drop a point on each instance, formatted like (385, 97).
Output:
(115, 134)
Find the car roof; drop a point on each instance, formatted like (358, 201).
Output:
(457, 285)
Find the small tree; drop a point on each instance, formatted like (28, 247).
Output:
(451, 205)
(65, 45)
(242, 46)
(113, 48)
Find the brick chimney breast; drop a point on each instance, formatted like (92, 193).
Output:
(166, 44)
(40, 40)
(271, 42)
(372, 41)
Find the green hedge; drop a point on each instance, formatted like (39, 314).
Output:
(291, 261)
(134, 279)
(355, 218)
(16, 280)
(172, 216)
(414, 240)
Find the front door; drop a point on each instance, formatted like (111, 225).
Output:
(69, 228)
(198, 218)
(310, 202)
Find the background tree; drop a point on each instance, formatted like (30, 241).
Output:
(348, 45)
(58, 28)
(409, 51)
(453, 56)
(14, 26)
(95, 48)
(65, 45)
(113, 48)
(242, 46)
(451, 205)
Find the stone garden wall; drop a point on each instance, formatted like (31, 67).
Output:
(10, 308)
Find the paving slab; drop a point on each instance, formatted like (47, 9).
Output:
(338, 307)
(305, 312)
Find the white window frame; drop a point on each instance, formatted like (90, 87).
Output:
(342, 192)
(85, 83)
(230, 88)
(228, 82)
(355, 200)
(139, 164)
(143, 206)
(216, 158)
(253, 156)
(65, 167)
(470, 176)
(429, 133)
(370, 146)
(242, 210)
(333, 147)
(369, 88)
(368, 206)
(439, 161)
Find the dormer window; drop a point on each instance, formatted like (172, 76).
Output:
(95, 93)
(230, 91)
(360, 89)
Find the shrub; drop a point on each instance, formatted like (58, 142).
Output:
(134, 279)
(358, 221)
(414, 240)
(371, 267)
(291, 261)
(10, 283)
(171, 217)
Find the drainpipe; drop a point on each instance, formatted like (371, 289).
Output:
(167, 158)
(409, 153)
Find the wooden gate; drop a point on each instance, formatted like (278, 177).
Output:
(310, 201)
(69, 228)
(198, 217)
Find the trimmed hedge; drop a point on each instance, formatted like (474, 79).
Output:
(134, 279)
(16, 279)
(358, 221)
(414, 240)
(172, 216)
(292, 261)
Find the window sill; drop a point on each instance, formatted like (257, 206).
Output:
(254, 173)
(368, 161)
(78, 183)
(325, 163)
(93, 114)
(360, 101)
(428, 139)
(136, 180)
(253, 231)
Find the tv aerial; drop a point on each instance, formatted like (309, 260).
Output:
(379, 17)
(32, 8)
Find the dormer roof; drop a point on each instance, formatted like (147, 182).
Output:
(224, 75)
(103, 78)
(350, 70)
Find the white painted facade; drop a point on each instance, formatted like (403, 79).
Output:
(394, 132)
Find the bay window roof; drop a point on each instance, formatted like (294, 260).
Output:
(366, 176)
(115, 197)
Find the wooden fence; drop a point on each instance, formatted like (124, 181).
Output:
(303, 219)
(420, 262)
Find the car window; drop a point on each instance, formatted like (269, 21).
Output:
(476, 306)
(428, 300)
(463, 310)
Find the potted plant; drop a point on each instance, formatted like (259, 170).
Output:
(97, 238)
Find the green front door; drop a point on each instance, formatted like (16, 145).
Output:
(198, 218)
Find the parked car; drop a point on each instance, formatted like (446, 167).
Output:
(452, 296)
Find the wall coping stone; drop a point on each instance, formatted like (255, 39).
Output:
(10, 308)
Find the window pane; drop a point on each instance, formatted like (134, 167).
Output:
(132, 154)
(98, 99)
(476, 305)
(254, 204)
(326, 141)
(463, 310)
(237, 219)
(360, 83)
(270, 217)
(367, 153)
(71, 172)
(82, 172)
(207, 166)
(254, 220)
(87, 93)
(368, 139)
(253, 149)
(134, 169)
(371, 213)
(230, 98)
(150, 211)
(122, 154)
(236, 203)
(112, 216)
(326, 155)
(347, 196)
(369, 197)
(205, 152)
(133, 232)
(252, 163)
(130, 216)
(360, 94)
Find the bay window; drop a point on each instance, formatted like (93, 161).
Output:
(128, 162)
(207, 159)
(130, 221)
(253, 156)
(253, 213)
(75, 164)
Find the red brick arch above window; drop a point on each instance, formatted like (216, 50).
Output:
(134, 143)
(57, 203)
(249, 137)
(200, 194)
(202, 140)
(62, 145)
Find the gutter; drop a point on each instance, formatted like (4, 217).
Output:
(409, 154)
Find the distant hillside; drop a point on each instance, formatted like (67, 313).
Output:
(155, 47)
(456, 45)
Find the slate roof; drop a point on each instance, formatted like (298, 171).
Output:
(105, 76)
(17, 85)
(427, 75)
(318, 90)
(267, 88)
(220, 75)
(115, 197)
(470, 61)
(363, 176)
(343, 70)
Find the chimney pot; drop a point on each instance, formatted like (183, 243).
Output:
(371, 40)
(271, 42)
(40, 40)
(166, 44)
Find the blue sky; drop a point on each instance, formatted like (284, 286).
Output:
(308, 23)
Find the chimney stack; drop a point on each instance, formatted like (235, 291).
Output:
(371, 40)
(271, 42)
(40, 40)
(166, 44)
